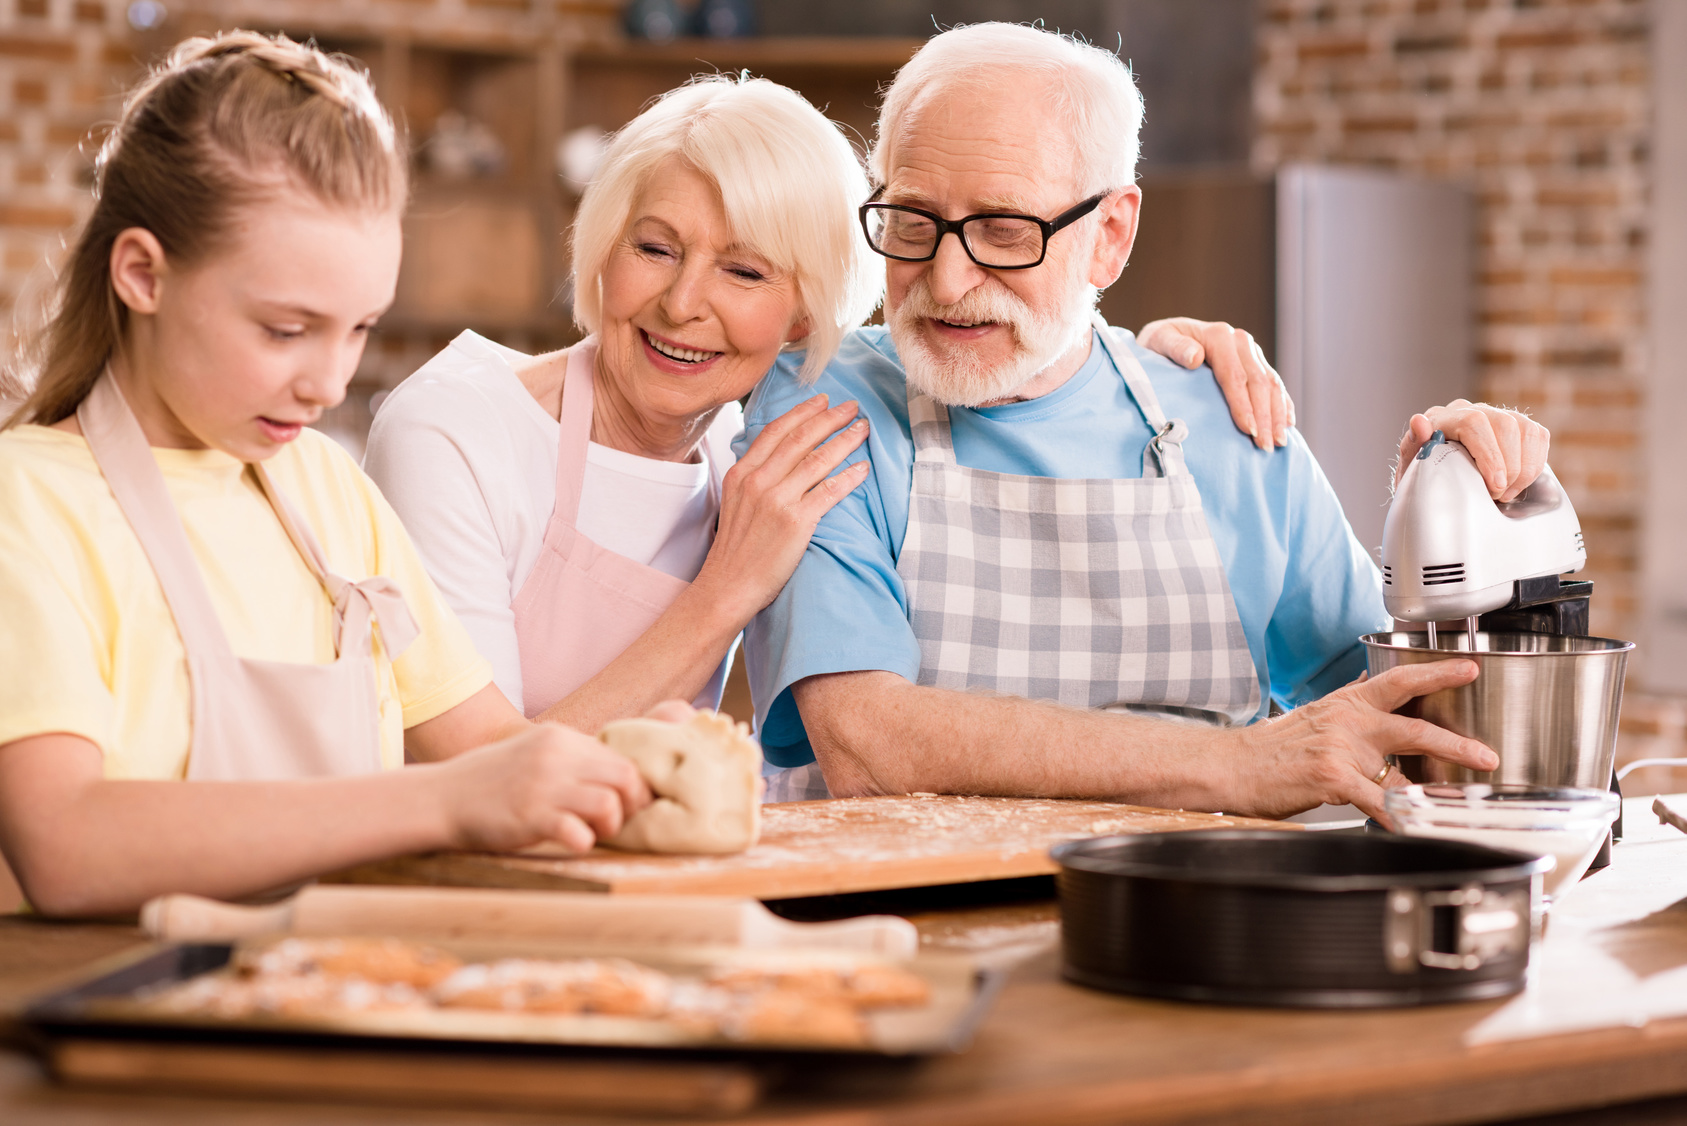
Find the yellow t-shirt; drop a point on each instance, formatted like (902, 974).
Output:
(87, 643)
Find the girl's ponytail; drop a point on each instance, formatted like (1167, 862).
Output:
(222, 122)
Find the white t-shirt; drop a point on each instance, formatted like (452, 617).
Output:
(468, 457)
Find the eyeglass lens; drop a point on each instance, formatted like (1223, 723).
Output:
(993, 240)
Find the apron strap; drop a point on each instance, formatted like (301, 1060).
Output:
(574, 436)
(376, 598)
(126, 461)
(130, 470)
(1163, 456)
(575, 433)
(717, 477)
(928, 423)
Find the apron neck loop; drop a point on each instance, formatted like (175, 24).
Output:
(1163, 456)
(928, 424)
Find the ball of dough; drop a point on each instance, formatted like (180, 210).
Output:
(703, 772)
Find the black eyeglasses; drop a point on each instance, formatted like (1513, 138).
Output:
(995, 240)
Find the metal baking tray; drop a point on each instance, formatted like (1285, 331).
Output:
(111, 1006)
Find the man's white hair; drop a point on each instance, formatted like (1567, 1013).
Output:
(789, 182)
(1095, 98)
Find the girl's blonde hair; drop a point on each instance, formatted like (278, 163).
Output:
(789, 182)
(223, 122)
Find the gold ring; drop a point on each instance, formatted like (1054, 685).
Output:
(1376, 779)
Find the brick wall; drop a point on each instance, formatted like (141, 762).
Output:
(61, 65)
(65, 63)
(1541, 106)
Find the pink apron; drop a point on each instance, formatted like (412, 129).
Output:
(252, 720)
(583, 605)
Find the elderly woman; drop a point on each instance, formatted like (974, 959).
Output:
(581, 510)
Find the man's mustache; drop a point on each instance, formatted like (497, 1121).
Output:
(986, 304)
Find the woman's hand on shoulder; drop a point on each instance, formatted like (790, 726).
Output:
(1259, 403)
(774, 496)
(548, 783)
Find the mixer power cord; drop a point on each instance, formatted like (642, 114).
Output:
(1640, 762)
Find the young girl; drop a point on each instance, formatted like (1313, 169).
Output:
(216, 642)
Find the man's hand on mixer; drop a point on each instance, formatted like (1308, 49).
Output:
(1334, 750)
(1509, 447)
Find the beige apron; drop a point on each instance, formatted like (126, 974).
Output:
(252, 720)
(582, 604)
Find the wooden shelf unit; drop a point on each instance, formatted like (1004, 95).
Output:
(491, 253)
(486, 251)
(609, 82)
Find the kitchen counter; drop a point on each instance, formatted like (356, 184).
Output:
(1055, 1053)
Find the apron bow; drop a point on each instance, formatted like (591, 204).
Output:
(386, 607)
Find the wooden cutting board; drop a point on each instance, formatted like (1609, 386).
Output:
(823, 848)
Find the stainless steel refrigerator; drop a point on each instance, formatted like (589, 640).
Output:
(1356, 281)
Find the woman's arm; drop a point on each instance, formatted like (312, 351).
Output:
(770, 502)
(1259, 403)
(81, 844)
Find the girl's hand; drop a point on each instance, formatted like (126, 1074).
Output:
(773, 498)
(1259, 403)
(549, 783)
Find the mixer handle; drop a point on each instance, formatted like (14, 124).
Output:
(1435, 439)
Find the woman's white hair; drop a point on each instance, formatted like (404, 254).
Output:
(1094, 98)
(789, 181)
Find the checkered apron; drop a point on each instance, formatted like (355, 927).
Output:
(1095, 593)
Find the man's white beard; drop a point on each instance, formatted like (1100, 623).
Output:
(958, 376)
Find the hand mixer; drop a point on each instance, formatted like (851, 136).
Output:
(1450, 551)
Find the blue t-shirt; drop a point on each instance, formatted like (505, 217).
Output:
(1304, 588)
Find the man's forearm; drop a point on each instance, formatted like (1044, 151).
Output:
(875, 733)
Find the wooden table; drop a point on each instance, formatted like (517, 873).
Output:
(1055, 1053)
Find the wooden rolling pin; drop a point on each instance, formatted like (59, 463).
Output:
(406, 912)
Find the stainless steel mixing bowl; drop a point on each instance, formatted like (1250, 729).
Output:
(1546, 704)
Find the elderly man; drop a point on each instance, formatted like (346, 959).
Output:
(1064, 548)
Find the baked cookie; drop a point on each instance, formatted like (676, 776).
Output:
(612, 986)
(887, 987)
(789, 1017)
(865, 987)
(384, 961)
(810, 981)
(311, 994)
